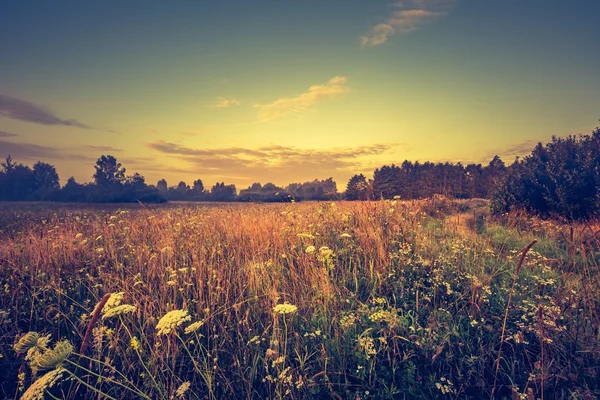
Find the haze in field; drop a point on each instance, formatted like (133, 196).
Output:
(288, 91)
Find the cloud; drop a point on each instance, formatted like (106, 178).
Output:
(7, 134)
(223, 102)
(510, 152)
(100, 148)
(29, 152)
(407, 17)
(273, 163)
(22, 110)
(303, 102)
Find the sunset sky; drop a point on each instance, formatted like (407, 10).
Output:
(288, 91)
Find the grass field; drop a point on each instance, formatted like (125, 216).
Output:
(345, 300)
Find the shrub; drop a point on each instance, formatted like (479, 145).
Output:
(561, 178)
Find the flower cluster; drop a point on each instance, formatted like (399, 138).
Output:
(171, 320)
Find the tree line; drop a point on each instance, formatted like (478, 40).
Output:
(111, 184)
(561, 178)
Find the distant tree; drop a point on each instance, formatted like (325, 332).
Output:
(136, 180)
(17, 181)
(162, 186)
(109, 173)
(46, 181)
(73, 192)
(314, 190)
(181, 192)
(474, 181)
(267, 193)
(198, 188)
(493, 172)
(387, 181)
(357, 188)
(8, 165)
(222, 192)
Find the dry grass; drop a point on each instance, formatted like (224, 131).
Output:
(396, 300)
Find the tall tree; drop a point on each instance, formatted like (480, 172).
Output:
(222, 192)
(109, 172)
(46, 180)
(357, 188)
(162, 186)
(198, 187)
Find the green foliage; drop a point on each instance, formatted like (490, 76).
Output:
(561, 178)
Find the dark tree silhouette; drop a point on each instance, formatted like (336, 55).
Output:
(561, 178)
(46, 181)
(109, 172)
(162, 186)
(357, 188)
(198, 189)
(222, 192)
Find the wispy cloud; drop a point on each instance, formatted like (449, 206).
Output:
(507, 153)
(7, 134)
(34, 152)
(223, 102)
(22, 110)
(189, 134)
(303, 102)
(407, 16)
(273, 163)
(100, 148)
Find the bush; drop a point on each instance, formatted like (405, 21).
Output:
(560, 179)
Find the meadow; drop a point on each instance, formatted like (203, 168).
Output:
(339, 300)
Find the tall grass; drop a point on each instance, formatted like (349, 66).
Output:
(392, 300)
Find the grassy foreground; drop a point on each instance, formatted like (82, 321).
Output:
(360, 300)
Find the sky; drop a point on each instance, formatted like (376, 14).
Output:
(288, 91)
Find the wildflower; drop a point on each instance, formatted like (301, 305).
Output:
(254, 340)
(38, 388)
(310, 249)
(118, 310)
(193, 327)
(27, 341)
(135, 344)
(285, 308)
(366, 344)
(279, 360)
(113, 301)
(272, 354)
(79, 235)
(182, 389)
(53, 358)
(171, 320)
(345, 235)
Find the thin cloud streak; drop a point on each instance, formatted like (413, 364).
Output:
(7, 134)
(100, 148)
(13, 108)
(302, 103)
(407, 17)
(30, 152)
